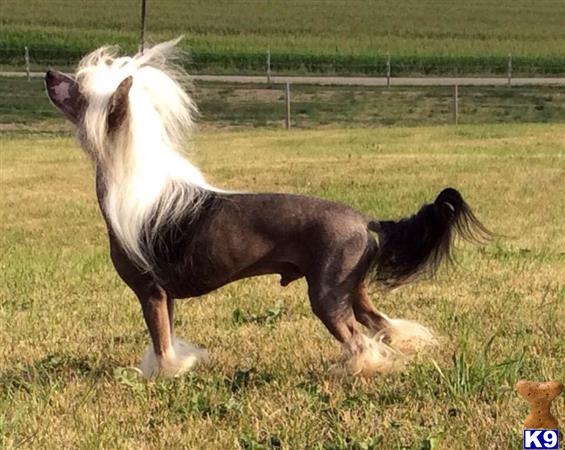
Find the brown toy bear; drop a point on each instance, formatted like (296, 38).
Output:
(540, 395)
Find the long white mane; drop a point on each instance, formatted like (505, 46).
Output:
(148, 182)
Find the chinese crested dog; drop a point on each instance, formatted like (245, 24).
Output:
(173, 236)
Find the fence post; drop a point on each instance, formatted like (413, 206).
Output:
(142, 26)
(287, 101)
(509, 69)
(26, 56)
(456, 105)
(269, 66)
(388, 70)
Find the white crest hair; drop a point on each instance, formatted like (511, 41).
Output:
(147, 180)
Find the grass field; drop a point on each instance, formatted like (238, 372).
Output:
(422, 36)
(70, 328)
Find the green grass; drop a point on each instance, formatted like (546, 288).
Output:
(25, 105)
(423, 36)
(71, 329)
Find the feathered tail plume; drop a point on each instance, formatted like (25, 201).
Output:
(416, 246)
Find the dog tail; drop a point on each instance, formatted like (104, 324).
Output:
(415, 246)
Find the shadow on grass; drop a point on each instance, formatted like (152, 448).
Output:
(54, 369)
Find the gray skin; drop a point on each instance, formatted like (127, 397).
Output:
(325, 242)
(244, 236)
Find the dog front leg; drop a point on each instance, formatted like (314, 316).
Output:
(167, 356)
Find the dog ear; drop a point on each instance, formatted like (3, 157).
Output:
(119, 105)
(64, 93)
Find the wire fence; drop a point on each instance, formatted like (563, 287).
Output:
(25, 107)
(327, 37)
(267, 62)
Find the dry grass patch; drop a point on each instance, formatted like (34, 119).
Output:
(70, 329)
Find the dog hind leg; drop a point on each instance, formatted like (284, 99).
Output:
(406, 336)
(365, 313)
(363, 355)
